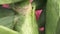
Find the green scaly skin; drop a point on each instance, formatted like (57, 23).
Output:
(26, 23)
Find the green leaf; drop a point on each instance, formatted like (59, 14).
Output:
(52, 17)
(6, 17)
(5, 30)
(8, 1)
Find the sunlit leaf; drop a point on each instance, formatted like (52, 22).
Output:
(5, 30)
(8, 1)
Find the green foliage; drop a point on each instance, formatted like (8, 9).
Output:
(9, 1)
(5, 30)
(6, 17)
(52, 17)
(26, 22)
